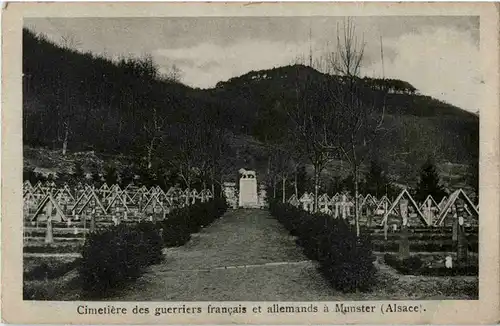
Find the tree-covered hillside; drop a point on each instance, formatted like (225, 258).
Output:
(75, 101)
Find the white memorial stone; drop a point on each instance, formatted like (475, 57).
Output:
(448, 262)
(248, 190)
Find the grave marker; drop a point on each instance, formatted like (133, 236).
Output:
(430, 209)
(49, 207)
(457, 197)
(324, 202)
(294, 201)
(404, 245)
(117, 202)
(230, 194)
(307, 201)
(462, 239)
(408, 201)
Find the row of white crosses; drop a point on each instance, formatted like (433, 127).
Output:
(430, 213)
(84, 199)
(48, 203)
(342, 205)
(338, 205)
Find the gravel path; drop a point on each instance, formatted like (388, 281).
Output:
(245, 256)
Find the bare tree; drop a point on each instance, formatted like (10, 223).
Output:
(69, 42)
(174, 74)
(184, 158)
(348, 121)
(313, 120)
(210, 147)
(361, 114)
(281, 166)
(154, 133)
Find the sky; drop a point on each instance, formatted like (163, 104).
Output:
(439, 55)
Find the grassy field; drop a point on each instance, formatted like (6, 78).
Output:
(51, 278)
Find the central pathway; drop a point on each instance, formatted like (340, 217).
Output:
(244, 256)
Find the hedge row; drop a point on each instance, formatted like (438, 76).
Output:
(181, 223)
(46, 271)
(345, 259)
(421, 236)
(58, 248)
(419, 245)
(415, 266)
(431, 230)
(113, 256)
(116, 255)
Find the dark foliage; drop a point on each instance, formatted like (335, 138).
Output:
(110, 174)
(96, 179)
(44, 271)
(181, 223)
(30, 175)
(415, 266)
(78, 172)
(429, 183)
(303, 181)
(345, 259)
(126, 176)
(70, 248)
(473, 179)
(406, 266)
(422, 245)
(376, 180)
(109, 106)
(118, 254)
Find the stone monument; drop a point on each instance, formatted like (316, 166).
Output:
(248, 189)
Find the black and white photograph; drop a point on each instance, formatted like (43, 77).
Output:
(257, 163)
(267, 158)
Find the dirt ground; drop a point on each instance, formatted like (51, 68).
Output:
(248, 256)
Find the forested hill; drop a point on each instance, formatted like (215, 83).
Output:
(419, 125)
(125, 107)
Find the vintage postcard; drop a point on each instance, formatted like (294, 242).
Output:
(252, 163)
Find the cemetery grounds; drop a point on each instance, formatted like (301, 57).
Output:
(246, 254)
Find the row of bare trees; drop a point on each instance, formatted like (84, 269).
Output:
(331, 119)
(80, 101)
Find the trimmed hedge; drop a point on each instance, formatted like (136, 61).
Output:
(58, 248)
(46, 271)
(345, 259)
(415, 266)
(181, 223)
(421, 245)
(118, 254)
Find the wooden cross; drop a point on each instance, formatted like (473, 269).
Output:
(344, 204)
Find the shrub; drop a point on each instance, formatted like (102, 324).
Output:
(421, 245)
(44, 271)
(113, 256)
(118, 254)
(346, 260)
(181, 223)
(406, 266)
(415, 266)
(443, 271)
